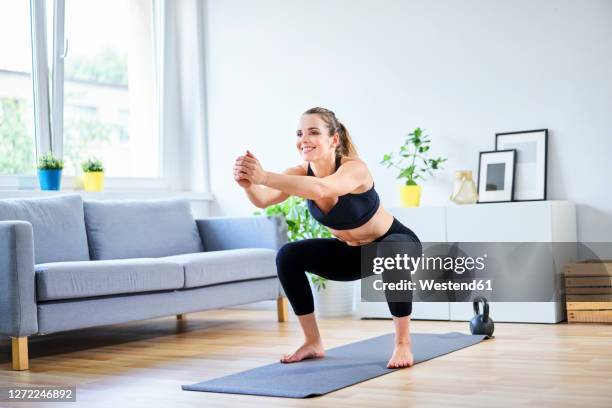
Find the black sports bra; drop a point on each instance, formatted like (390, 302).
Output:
(351, 210)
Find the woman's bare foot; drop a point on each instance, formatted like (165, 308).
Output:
(310, 349)
(402, 356)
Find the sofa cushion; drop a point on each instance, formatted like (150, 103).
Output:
(57, 223)
(232, 265)
(119, 229)
(66, 280)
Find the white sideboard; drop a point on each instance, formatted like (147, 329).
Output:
(529, 221)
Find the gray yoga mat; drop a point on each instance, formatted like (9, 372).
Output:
(342, 366)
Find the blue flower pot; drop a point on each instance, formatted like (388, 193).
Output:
(50, 179)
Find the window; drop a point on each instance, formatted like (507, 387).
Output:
(79, 78)
(17, 145)
(110, 107)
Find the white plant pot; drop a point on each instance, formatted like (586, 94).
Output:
(337, 299)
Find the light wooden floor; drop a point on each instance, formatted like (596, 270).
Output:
(143, 364)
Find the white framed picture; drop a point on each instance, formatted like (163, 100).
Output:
(531, 156)
(496, 176)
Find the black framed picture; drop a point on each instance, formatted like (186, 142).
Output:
(531, 156)
(496, 176)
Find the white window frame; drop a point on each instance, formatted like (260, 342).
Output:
(40, 77)
(48, 117)
(60, 49)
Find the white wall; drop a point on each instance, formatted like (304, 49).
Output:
(461, 69)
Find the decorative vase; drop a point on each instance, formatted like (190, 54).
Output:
(464, 191)
(50, 179)
(93, 180)
(410, 195)
(336, 300)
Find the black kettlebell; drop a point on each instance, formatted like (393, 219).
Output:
(482, 323)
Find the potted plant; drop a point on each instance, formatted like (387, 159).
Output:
(50, 172)
(413, 163)
(93, 177)
(332, 298)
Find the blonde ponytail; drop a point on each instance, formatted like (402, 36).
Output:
(346, 148)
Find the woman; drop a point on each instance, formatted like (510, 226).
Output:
(341, 195)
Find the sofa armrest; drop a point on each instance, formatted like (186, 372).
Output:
(18, 314)
(218, 233)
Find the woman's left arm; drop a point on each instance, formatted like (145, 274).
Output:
(347, 178)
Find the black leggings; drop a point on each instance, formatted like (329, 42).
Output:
(332, 259)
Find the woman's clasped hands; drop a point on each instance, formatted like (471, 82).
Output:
(248, 170)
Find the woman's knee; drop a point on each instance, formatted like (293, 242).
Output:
(402, 237)
(285, 253)
(400, 243)
(289, 255)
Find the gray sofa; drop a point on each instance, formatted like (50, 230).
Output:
(68, 263)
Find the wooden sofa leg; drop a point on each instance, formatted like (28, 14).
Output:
(281, 308)
(19, 346)
(181, 316)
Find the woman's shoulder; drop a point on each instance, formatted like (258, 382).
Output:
(353, 160)
(298, 170)
(361, 168)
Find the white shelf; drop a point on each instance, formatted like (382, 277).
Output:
(529, 221)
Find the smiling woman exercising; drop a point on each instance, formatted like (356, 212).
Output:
(340, 194)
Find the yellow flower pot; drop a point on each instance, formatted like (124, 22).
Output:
(410, 196)
(93, 180)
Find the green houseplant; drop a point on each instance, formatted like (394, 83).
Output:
(413, 163)
(93, 178)
(50, 171)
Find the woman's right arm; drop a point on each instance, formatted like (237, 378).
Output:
(262, 196)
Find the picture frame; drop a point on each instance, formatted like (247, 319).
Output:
(496, 174)
(531, 161)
